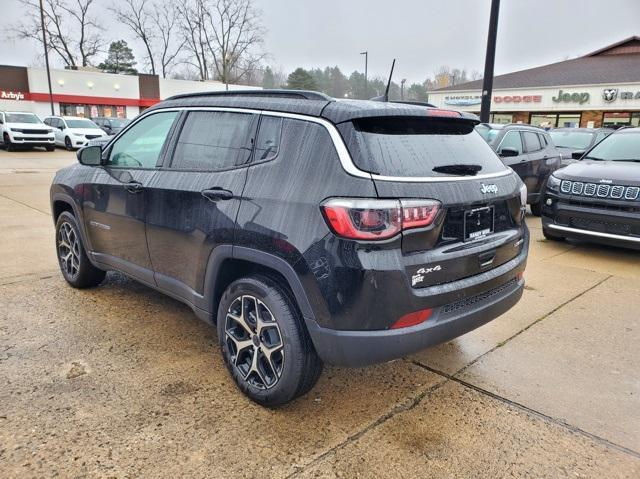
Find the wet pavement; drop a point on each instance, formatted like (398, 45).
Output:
(121, 381)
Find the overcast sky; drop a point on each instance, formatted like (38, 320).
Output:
(421, 34)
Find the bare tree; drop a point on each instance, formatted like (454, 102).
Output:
(195, 38)
(224, 38)
(166, 23)
(73, 33)
(135, 15)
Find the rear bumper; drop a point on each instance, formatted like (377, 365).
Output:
(360, 348)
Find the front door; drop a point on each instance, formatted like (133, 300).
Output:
(115, 197)
(194, 199)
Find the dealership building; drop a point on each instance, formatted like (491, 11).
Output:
(598, 89)
(90, 93)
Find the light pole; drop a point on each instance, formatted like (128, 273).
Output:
(46, 56)
(402, 82)
(366, 65)
(487, 83)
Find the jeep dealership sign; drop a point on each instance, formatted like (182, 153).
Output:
(547, 99)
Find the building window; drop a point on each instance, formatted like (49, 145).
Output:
(553, 120)
(502, 118)
(92, 111)
(625, 118)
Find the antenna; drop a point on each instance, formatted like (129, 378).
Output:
(386, 92)
(385, 97)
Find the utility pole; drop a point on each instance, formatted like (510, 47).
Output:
(487, 83)
(46, 56)
(366, 64)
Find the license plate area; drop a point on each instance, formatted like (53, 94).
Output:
(479, 222)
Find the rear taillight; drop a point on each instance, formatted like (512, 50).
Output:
(443, 113)
(365, 219)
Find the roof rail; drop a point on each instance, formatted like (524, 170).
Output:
(282, 93)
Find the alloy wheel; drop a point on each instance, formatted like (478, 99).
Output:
(254, 342)
(69, 250)
(67, 143)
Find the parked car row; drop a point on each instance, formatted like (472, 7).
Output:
(27, 130)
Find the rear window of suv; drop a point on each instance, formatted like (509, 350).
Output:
(418, 147)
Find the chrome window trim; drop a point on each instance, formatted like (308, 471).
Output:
(595, 233)
(343, 153)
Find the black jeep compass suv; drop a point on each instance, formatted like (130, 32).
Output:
(598, 198)
(309, 230)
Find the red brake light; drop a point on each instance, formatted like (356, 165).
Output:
(377, 219)
(412, 319)
(443, 113)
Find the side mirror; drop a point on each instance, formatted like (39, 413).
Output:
(576, 155)
(1, 122)
(90, 156)
(508, 152)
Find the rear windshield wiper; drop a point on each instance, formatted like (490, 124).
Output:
(458, 169)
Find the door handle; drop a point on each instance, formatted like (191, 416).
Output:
(215, 194)
(133, 187)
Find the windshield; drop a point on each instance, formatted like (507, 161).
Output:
(417, 146)
(620, 147)
(576, 140)
(81, 124)
(22, 118)
(488, 134)
(119, 122)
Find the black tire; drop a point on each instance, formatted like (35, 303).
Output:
(67, 143)
(7, 143)
(294, 368)
(536, 210)
(72, 257)
(550, 236)
(50, 148)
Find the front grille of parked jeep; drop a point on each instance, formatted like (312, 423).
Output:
(614, 192)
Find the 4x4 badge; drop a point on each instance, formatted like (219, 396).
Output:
(489, 189)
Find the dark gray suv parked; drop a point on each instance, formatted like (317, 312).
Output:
(309, 230)
(529, 151)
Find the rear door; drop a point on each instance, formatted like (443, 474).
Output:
(194, 199)
(536, 169)
(115, 198)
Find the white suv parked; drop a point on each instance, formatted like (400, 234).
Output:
(26, 129)
(73, 131)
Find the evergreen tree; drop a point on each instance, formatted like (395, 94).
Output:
(268, 80)
(120, 59)
(301, 79)
(417, 92)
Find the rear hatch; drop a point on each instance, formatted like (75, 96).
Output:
(479, 225)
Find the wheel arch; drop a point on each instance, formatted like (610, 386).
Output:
(228, 263)
(61, 202)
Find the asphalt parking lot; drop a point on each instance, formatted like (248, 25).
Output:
(121, 381)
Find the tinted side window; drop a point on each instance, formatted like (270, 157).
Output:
(213, 140)
(141, 145)
(531, 141)
(512, 140)
(268, 139)
(543, 140)
(47, 121)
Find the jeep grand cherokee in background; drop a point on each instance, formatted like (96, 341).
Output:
(527, 149)
(598, 198)
(572, 140)
(22, 129)
(310, 230)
